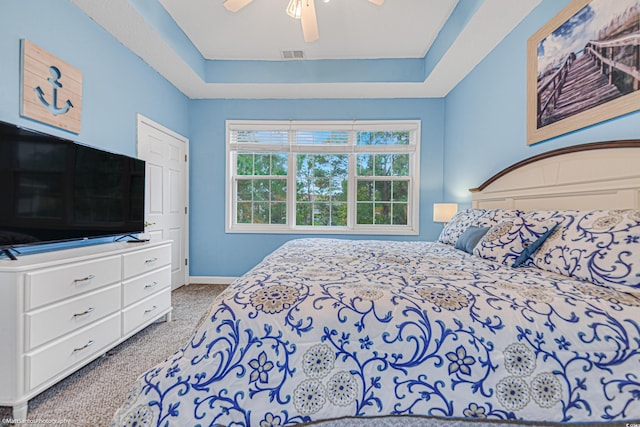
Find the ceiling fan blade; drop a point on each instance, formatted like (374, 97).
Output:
(236, 5)
(308, 21)
(377, 2)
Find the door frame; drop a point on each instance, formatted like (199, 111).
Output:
(142, 119)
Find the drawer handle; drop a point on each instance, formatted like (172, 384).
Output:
(84, 279)
(151, 309)
(151, 285)
(87, 311)
(87, 345)
(149, 261)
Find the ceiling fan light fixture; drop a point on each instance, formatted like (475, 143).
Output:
(294, 9)
(304, 10)
(236, 5)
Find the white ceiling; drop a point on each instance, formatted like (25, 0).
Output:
(349, 29)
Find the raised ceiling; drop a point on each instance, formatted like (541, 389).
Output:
(349, 29)
(402, 49)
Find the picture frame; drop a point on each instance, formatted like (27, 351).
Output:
(570, 84)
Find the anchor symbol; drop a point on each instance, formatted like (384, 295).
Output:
(53, 107)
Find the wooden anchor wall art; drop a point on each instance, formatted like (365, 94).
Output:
(51, 89)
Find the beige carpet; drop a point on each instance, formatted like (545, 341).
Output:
(90, 396)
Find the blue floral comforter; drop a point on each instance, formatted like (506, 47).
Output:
(328, 328)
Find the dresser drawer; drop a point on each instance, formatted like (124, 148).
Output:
(61, 355)
(146, 260)
(54, 284)
(143, 286)
(53, 321)
(145, 310)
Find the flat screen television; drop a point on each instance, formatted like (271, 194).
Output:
(54, 190)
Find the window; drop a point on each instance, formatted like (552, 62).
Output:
(323, 177)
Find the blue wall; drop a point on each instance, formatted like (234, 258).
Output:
(485, 115)
(214, 252)
(116, 83)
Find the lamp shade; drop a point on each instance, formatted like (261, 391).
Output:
(443, 212)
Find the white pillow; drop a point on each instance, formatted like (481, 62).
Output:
(599, 246)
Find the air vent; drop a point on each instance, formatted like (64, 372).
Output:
(292, 54)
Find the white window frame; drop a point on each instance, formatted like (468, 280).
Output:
(351, 148)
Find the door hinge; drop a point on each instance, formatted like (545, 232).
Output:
(186, 261)
(185, 157)
(185, 210)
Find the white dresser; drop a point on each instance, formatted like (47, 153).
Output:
(60, 310)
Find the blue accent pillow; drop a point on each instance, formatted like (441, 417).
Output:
(532, 248)
(470, 238)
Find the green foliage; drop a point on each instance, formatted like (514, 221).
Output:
(322, 182)
(261, 201)
(262, 164)
(383, 164)
(383, 138)
(382, 202)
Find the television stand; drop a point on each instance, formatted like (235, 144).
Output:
(9, 254)
(134, 239)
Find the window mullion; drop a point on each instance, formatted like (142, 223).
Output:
(352, 183)
(292, 173)
(259, 148)
(376, 149)
(352, 205)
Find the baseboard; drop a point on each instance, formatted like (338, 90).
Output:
(211, 280)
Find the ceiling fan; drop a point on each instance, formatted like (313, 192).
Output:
(304, 10)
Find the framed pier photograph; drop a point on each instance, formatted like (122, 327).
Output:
(583, 67)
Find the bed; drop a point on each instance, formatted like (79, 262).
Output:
(366, 332)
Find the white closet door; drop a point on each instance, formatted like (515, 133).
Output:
(166, 192)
